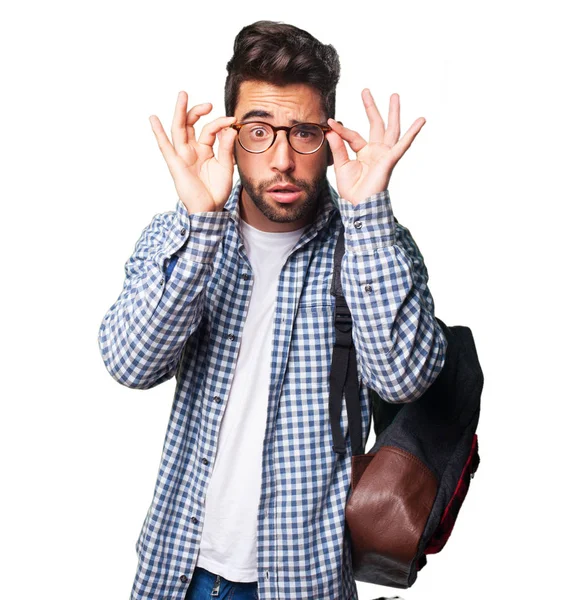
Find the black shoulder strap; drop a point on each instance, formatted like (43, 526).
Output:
(344, 370)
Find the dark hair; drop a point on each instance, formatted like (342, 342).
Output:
(278, 53)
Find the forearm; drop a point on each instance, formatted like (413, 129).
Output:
(399, 343)
(142, 335)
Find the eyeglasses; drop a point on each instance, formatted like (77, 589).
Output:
(257, 137)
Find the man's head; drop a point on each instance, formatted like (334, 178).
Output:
(281, 75)
(279, 54)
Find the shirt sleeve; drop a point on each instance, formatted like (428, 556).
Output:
(142, 335)
(399, 344)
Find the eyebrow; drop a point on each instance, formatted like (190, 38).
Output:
(264, 114)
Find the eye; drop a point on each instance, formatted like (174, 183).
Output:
(258, 132)
(307, 134)
(302, 134)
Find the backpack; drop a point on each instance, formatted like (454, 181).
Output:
(406, 492)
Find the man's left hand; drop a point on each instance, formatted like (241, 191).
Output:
(370, 173)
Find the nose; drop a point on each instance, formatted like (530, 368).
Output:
(283, 156)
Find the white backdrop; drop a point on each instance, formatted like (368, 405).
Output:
(82, 175)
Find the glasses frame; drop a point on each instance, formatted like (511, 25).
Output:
(287, 129)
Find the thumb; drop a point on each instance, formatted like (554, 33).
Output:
(225, 152)
(338, 149)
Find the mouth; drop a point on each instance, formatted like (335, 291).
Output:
(285, 193)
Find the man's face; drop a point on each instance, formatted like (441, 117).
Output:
(280, 164)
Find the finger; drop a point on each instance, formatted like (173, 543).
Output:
(164, 144)
(178, 130)
(338, 149)
(193, 115)
(405, 142)
(210, 131)
(355, 140)
(394, 122)
(225, 152)
(376, 125)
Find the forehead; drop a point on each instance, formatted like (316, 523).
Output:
(291, 103)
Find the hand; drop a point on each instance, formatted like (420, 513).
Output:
(370, 173)
(202, 181)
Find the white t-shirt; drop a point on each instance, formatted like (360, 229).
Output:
(228, 545)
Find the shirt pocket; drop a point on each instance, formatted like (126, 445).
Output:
(316, 296)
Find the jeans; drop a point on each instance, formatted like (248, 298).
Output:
(208, 586)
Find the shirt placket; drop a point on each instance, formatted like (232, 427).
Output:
(269, 556)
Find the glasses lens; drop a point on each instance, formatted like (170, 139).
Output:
(255, 137)
(306, 138)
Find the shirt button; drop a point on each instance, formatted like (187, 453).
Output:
(183, 231)
(217, 398)
(358, 224)
(194, 520)
(205, 461)
(267, 574)
(246, 276)
(183, 579)
(231, 337)
(161, 282)
(367, 288)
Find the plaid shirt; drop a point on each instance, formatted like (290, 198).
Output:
(182, 312)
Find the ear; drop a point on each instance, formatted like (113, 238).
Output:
(329, 157)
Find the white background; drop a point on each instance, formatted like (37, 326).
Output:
(82, 175)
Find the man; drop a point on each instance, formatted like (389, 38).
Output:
(231, 294)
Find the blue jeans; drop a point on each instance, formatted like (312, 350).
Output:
(208, 586)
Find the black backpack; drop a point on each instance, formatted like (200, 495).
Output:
(406, 492)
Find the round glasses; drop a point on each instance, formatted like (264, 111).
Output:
(304, 138)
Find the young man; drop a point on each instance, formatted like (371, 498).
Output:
(231, 294)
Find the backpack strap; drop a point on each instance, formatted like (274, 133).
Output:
(344, 370)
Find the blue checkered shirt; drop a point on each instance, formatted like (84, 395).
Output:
(182, 312)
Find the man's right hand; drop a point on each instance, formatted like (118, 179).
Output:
(203, 181)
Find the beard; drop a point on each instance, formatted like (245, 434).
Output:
(285, 213)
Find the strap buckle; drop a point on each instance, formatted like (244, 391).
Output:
(343, 323)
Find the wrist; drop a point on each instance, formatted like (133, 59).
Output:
(194, 207)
